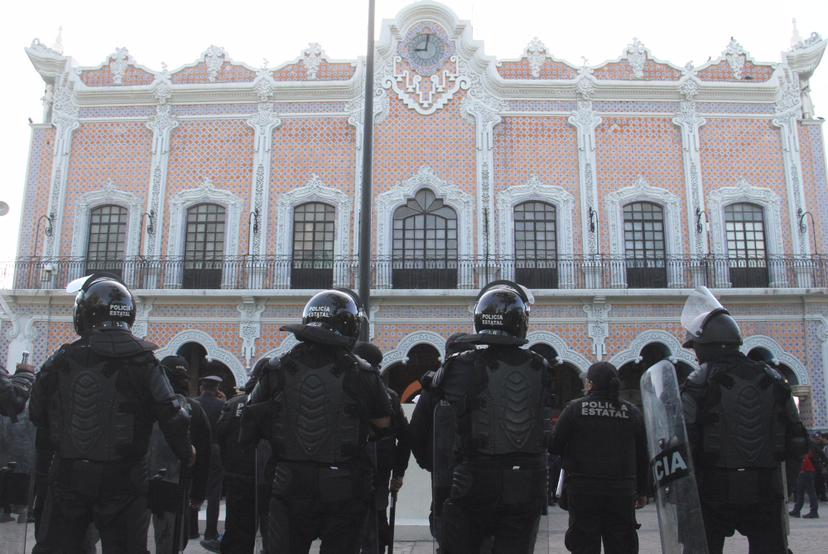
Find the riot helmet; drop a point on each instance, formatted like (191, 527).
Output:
(102, 302)
(369, 352)
(256, 374)
(502, 312)
(334, 311)
(178, 373)
(707, 321)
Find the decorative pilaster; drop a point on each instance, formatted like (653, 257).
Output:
(263, 123)
(585, 120)
(143, 308)
(598, 325)
(485, 111)
(788, 113)
(689, 121)
(250, 327)
(65, 120)
(161, 126)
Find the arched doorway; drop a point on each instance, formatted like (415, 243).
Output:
(404, 377)
(201, 366)
(566, 378)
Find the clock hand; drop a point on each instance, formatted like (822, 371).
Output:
(424, 47)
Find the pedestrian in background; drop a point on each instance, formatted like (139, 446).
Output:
(212, 400)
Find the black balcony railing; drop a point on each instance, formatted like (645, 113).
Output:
(262, 273)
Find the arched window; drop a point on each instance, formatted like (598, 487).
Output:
(746, 251)
(536, 245)
(644, 250)
(313, 246)
(107, 237)
(204, 247)
(425, 244)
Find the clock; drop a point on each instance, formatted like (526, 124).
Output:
(427, 49)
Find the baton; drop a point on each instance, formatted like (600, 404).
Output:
(178, 526)
(392, 517)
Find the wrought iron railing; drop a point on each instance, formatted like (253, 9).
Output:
(267, 273)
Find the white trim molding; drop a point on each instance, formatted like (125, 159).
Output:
(535, 190)
(400, 354)
(633, 353)
(313, 191)
(770, 202)
(212, 348)
(179, 205)
(565, 354)
(451, 195)
(780, 356)
(284, 347)
(641, 191)
(107, 195)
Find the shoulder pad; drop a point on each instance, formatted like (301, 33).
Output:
(362, 365)
(467, 356)
(427, 379)
(774, 374)
(116, 344)
(538, 359)
(699, 376)
(54, 361)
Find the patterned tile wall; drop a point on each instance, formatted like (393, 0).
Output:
(36, 200)
(102, 77)
(723, 72)
(550, 69)
(623, 71)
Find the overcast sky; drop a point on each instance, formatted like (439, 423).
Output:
(178, 31)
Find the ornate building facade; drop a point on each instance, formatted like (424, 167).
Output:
(225, 194)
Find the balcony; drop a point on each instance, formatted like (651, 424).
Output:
(269, 273)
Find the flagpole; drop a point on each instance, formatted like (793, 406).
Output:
(367, 157)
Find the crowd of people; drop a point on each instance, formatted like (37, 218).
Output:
(316, 442)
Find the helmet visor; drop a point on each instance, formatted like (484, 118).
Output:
(77, 284)
(699, 306)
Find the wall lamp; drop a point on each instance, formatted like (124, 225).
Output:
(49, 229)
(701, 219)
(593, 219)
(253, 219)
(150, 216)
(801, 214)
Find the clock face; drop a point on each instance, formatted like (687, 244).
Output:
(427, 49)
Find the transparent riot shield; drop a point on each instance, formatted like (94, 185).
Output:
(677, 498)
(262, 493)
(443, 466)
(17, 481)
(167, 497)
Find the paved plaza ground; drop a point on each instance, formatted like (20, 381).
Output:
(807, 536)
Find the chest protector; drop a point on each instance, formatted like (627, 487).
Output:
(508, 414)
(317, 415)
(743, 423)
(85, 417)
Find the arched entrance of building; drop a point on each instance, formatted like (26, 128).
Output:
(404, 377)
(201, 366)
(566, 378)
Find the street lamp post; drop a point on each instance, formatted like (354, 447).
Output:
(367, 157)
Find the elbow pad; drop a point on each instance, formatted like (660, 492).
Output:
(176, 431)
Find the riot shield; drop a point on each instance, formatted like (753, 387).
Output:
(677, 498)
(167, 497)
(262, 493)
(17, 481)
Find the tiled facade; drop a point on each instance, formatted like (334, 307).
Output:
(482, 134)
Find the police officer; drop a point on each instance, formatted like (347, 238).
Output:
(15, 389)
(212, 400)
(603, 445)
(163, 519)
(239, 463)
(741, 422)
(392, 452)
(499, 475)
(98, 398)
(315, 404)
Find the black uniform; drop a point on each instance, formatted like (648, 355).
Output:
(500, 397)
(14, 391)
(314, 405)
(212, 406)
(239, 463)
(98, 398)
(742, 422)
(603, 446)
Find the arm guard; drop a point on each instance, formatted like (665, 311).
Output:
(14, 391)
(171, 416)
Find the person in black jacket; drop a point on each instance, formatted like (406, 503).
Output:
(239, 461)
(316, 405)
(15, 389)
(500, 395)
(603, 445)
(163, 522)
(741, 422)
(212, 400)
(97, 399)
(392, 452)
